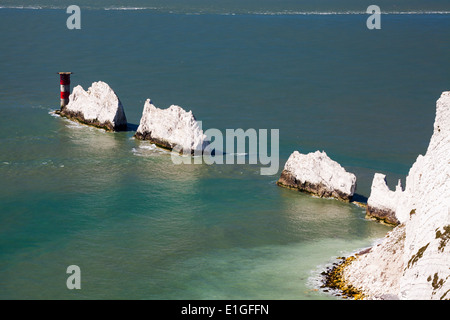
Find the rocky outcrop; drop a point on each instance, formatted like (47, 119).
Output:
(317, 174)
(376, 274)
(383, 202)
(172, 128)
(412, 262)
(99, 106)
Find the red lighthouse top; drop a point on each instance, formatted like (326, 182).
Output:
(64, 77)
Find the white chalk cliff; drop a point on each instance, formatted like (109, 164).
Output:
(317, 174)
(99, 106)
(172, 128)
(413, 261)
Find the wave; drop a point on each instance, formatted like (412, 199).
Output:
(148, 149)
(218, 12)
(23, 7)
(60, 7)
(346, 12)
(35, 7)
(131, 8)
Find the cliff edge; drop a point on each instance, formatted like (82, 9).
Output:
(413, 260)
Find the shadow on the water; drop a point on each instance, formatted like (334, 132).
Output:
(359, 198)
(132, 127)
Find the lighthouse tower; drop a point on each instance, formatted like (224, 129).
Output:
(64, 81)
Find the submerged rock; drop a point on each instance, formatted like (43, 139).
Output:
(172, 128)
(99, 106)
(412, 261)
(317, 174)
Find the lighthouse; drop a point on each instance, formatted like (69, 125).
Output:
(64, 81)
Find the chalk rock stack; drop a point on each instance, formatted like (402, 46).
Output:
(99, 106)
(382, 203)
(172, 128)
(413, 260)
(317, 174)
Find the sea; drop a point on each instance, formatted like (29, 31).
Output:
(140, 226)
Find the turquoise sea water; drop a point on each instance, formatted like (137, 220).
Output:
(140, 227)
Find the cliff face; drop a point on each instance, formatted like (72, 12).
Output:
(172, 128)
(413, 261)
(319, 175)
(99, 107)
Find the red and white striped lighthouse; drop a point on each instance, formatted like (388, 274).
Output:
(64, 81)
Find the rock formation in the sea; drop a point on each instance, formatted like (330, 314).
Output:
(317, 174)
(383, 202)
(413, 260)
(172, 128)
(99, 106)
